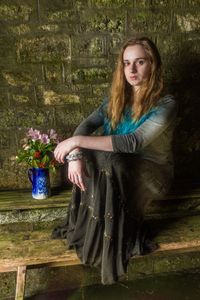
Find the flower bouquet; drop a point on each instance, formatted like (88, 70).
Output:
(37, 153)
(37, 150)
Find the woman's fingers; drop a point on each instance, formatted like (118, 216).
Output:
(77, 173)
(63, 148)
(59, 156)
(78, 180)
(59, 153)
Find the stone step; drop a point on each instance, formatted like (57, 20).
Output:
(19, 206)
(179, 249)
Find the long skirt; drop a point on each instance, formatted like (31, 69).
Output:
(104, 223)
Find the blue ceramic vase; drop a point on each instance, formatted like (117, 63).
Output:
(40, 183)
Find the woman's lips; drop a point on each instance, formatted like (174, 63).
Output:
(133, 77)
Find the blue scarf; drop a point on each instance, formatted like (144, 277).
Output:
(127, 124)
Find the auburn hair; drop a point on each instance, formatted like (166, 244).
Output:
(121, 92)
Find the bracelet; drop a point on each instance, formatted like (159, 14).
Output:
(74, 156)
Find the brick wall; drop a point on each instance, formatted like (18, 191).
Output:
(57, 58)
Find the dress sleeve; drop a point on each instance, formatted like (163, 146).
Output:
(148, 131)
(92, 122)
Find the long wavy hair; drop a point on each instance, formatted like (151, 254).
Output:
(122, 93)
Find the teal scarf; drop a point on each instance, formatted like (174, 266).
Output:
(127, 124)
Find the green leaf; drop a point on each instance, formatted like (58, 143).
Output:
(45, 159)
(35, 165)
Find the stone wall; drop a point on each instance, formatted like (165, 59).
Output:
(57, 59)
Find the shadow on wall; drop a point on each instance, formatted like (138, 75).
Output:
(186, 88)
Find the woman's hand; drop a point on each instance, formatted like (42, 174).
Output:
(77, 172)
(64, 148)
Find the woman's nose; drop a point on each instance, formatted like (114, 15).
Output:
(133, 68)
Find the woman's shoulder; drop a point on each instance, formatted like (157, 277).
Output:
(168, 98)
(166, 107)
(167, 102)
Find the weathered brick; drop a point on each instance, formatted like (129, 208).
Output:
(26, 117)
(52, 98)
(188, 22)
(10, 11)
(53, 73)
(149, 21)
(91, 75)
(4, 140)
(4, 99)
(100, 90)
(20, 29)
(60, 19)
(194, 3)
(110, 21)
(46, 48)
(21, 99)
(111, 3)
(7, 52)
(55, 5)
(24, 95)
(86, 46)
(13, 176)
(49, 27)
(78, 88)
(62, 16)
(167, 45)
(16, 79)
(84, 62)
(88, 105)
(56, 95)
(114, 45)
(68, 117)
(158, 3)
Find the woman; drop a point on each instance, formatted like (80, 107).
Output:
(117, 174)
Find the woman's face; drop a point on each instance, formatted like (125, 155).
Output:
(137, 66)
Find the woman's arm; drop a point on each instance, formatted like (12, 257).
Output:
(92, 122)
(77, 169)
(103, 143)
(127, 143)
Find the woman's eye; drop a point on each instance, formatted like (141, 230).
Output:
(140, 62)
(126, 63)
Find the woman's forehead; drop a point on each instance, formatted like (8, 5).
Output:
(134, 51)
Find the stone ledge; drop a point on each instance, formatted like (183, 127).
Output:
(22, 199)
(19, 206)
